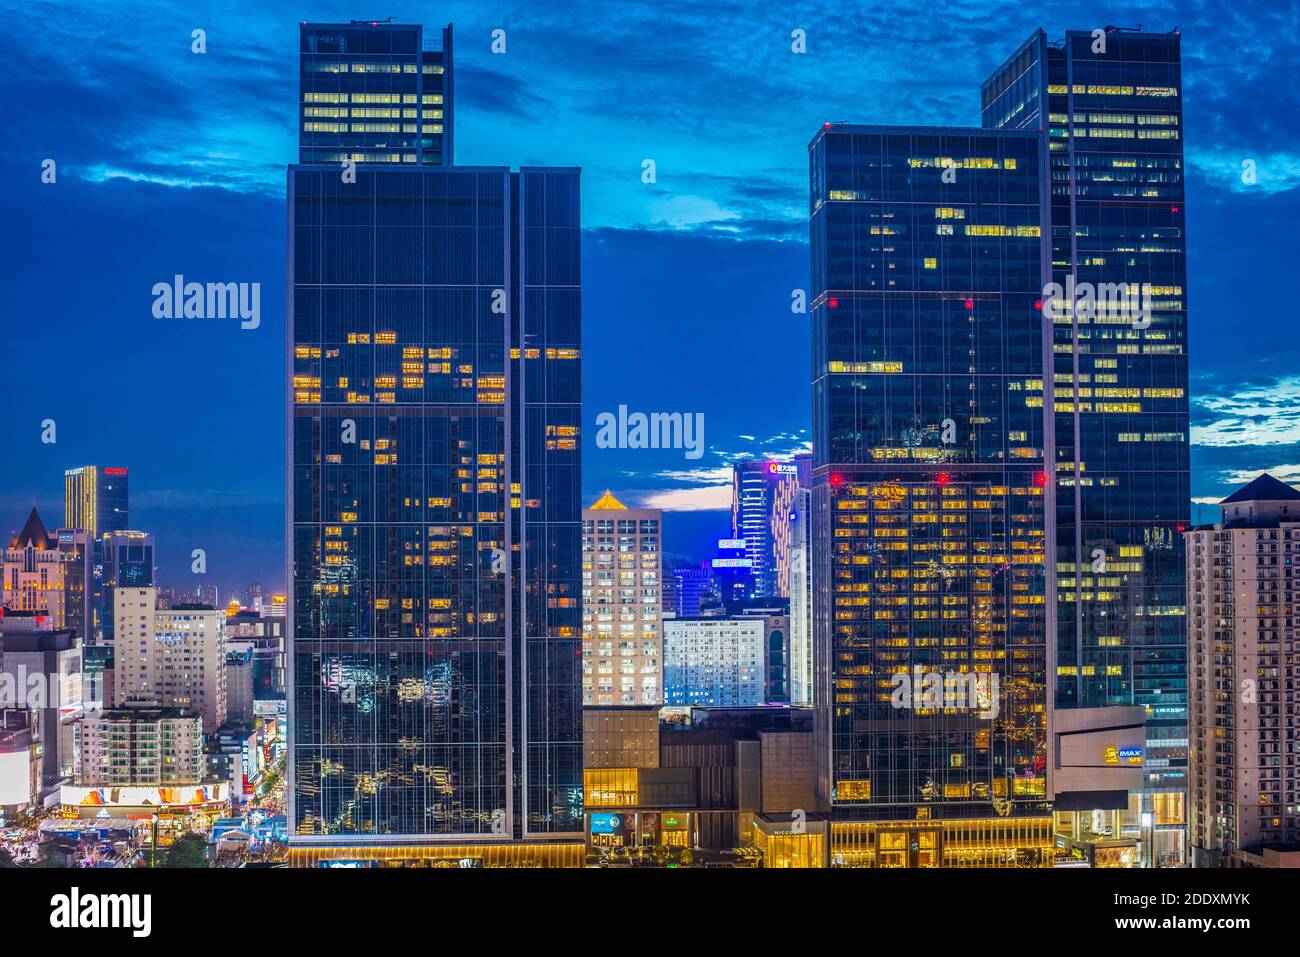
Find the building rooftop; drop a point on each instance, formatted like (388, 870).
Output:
(608, 501)
(33, 533)
(1264, 489)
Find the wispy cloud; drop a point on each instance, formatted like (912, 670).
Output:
(1242, 172)
(1254, 415)
(1289, 473)
(707, 498)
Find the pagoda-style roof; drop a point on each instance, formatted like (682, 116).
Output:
(608, 501)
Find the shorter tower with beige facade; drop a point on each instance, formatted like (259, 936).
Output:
(622, 610)
(1243, 647)
(170, 658)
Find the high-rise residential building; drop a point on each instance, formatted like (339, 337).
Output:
(434, 512)
(139, 747)
(170, 658)
(375, 92)
(801, 643)
(1244, 662)
(928, 518)
(124, 559)
(715, 662)
(1107, 108)
(95, 499)
(622, 604)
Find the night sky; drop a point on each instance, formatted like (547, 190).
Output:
(172, 162)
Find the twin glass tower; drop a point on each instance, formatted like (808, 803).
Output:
(1001, 476)
(433, 504)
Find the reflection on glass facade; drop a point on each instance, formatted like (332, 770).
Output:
(1113, 144)
(374, 92)
(928, 493)
(434, 503)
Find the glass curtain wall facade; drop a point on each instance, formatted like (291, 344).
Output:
(126, 560)
(374, 92)
(433, 506)
(95, 500)
(1109, 117)
(753, 490)
(928, 495)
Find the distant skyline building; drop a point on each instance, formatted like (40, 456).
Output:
(802, 686)
(792, 479)
(622, 610)
(375, 92)
(690, 585)
(125, 559)
(753, 491)
(434, 503)
(732, 573)
(48, 573)
(95, 500)
(1244, 662)
(1108, 113)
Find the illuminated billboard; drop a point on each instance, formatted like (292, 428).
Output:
(189, 795)
(15, 777)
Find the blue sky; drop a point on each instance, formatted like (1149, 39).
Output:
(171, 162)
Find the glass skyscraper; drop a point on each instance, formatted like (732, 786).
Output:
(1108, 109)
(374, 92)
(95, 500)
(125, 560)
(928, 499)
(434, 512)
